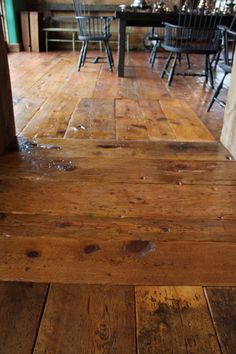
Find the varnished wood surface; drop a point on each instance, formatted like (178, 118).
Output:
(90, 319)
(174, 320)
(21, 307)
(78, 209)
(137, 212)
(53, 100)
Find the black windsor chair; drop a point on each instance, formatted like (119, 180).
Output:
(226, 66)
(95, 29)
(196, 33)
(217, 57)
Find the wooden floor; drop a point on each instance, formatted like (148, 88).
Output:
(52, 100)
(87, 319)
(117, 214)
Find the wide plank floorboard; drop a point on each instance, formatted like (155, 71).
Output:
(88, 319)
(21, 307)
(222, 304)
(174, 320)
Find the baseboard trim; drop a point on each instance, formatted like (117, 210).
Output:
(14, 48)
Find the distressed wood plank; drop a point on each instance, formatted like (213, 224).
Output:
(92, 119)
(88, 319)
(117, 200)
(222, 304)
(25, 110)
(117, 170)
(72, 148)
(157, 124)
(52, 120)
(117, 261)
(20, 313)
(113, 86)
(141, 120)
(174, 320)
(184, 122)
(145, 228)
(148, 86)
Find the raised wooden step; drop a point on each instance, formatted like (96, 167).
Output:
(118, 213)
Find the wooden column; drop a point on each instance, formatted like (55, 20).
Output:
(228, 135)
(7, 124)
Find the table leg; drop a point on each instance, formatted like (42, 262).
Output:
(121, 48)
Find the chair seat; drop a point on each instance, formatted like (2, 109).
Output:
(194, 49)
(94, 37)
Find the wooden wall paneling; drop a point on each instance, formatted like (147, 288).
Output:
(7, 124)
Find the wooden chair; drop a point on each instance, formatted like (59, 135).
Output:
(94, 29)
(157, 39)
(194, 34)
(226, 66)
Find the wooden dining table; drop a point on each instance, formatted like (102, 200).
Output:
(147, 19)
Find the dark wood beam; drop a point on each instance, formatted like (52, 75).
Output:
(7, 124)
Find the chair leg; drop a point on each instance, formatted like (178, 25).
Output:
(188, 61)
(80, 60)
(209, 70)
(217, 58)
(206, 68)
(108, 55)
(166, 65)
(153, 54)
(211, 75)
(219, 87)
(172, 71)
(85, 52)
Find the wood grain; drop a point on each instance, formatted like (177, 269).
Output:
(184, 122)
(20, 312)
(174, 320)
(117, 200)
(92, 118)
(154, 230)
(88, 319)
(222, 302)
(43, 75)
(56, 120)
(141, 120)
(146, 150)
(116, 261)
(117, 170)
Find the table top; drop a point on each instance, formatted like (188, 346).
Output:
(138, 18)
